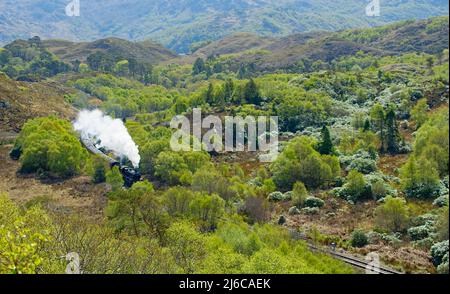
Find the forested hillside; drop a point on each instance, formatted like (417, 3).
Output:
(180, 24)
(363, 165)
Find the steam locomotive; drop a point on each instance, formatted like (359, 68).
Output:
(130, 175)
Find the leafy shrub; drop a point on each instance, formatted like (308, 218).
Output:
(288, 196)
(419, 233)
(294, 210)
(355, 189)
(279, 196)
(99, 175)
(359, 239)
(300, 162)
(49, 144)
(443, 267)
(299, 194)
(441, 201)
(361, 161)
(424, 244)
(314, 202)
(276, 196)
(392, 215)
(438, 251)
(427, 219)
(379, 186)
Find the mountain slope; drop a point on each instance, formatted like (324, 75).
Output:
(20, 101)
(179, 23)
(428, 36)
(145, 51)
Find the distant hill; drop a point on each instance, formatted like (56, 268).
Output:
(428, 36)
(145, 51)
(179, 23)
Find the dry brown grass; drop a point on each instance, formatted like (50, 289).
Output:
(75, 195)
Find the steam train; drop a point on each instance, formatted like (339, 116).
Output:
(130, 175)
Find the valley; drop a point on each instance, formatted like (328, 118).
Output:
(362, 164)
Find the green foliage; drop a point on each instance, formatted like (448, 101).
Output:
(114, 179)
(299, 109)
(392, 215)
(419, 112)
(299, 194)
(419, 233)
(432, 142)
(442, 226)
(99, 175)
(300, 162)
(251, 93)
(174, 168)
(187, 246)
(276, 196)
(420, 178)
(49, 145)
(359, 239)
(438, 251)
(138, 210)
(30, 61)
(362, 161)
(325, 147)
(208, 209)
(356, 188)
(24, 236)
(314, 202)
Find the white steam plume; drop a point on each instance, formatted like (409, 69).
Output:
(112, 134)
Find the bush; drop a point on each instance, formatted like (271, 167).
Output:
(420, 179)
(441, 201)
(288, 196)
(361, 161)
(299, 194)
(355, 189)
(294, 210)
(438, 251)
(359, 239)
(419, 233)
(424, 244)
(99, 175)
(276, 197)
(301, 162)
(379, 187)
(443, 267)
(314, 202)
(392, 215)
(49, 144)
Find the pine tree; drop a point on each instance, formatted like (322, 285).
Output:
(210, 94)
(199, 66)
(228, 90)
(392, 133)
(326, 145)
(367, 125)
(378, 118)
(251, 93)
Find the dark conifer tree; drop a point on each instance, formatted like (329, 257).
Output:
(209, 97)
(228, 90)
(392, 133)
(326, 145)
(251, 93)
(199, 66)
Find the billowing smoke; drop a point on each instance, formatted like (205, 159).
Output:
(108, 133)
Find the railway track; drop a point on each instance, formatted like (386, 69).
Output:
(367, 266)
